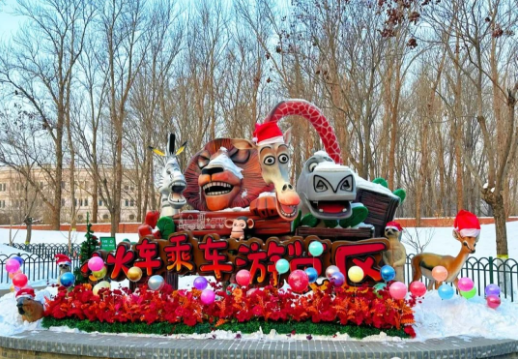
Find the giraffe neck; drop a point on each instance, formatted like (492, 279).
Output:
(313, 114)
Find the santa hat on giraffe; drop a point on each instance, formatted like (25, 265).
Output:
(63, 259)
(25, 293)
(394, 225)
(267, 133)
(466, 224)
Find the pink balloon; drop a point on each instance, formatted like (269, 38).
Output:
(398, 290)
(439, 273)
(20, 280)
(243, 277)
(417, 288)
(298, 281)
(465, 284)
(12, 265)
(208, 296)
(95, 264)
(493, 301)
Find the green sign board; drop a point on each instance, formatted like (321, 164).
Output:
(108, 243)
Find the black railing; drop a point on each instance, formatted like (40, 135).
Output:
(484, 271)
(39, 262)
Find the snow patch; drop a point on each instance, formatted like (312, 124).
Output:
(222, 160)
(374, 187)
(267, 194)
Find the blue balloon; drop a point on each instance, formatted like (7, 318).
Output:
(67, 279)
(387, 273)
(18, 259)
(446, 291)
(312, 274)
(282, 266)
(316, 248)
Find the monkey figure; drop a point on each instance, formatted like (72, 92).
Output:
(64, 264)
(240, 227)
(31, 310)
(395, 255)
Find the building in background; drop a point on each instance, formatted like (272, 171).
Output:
(18, 197)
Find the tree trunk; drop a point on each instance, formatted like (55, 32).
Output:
(496, 201)
(56, 208)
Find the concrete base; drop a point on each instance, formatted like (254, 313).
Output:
(48, 344)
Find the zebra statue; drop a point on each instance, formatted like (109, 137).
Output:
(172, 182)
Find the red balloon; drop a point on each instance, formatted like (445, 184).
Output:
(243, 277)
(493, 301)
(20, 280)
(417, 288)
(298, 281)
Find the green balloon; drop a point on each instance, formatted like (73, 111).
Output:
(282, 266)
(469, 294)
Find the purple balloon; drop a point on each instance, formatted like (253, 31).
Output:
(208, 296)
(20, 260)
(200, 283)
(338, 279)
(492, 289)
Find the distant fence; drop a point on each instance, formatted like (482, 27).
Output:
(484, 271)
(39, 263)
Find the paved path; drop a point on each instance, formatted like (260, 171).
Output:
(119, 346)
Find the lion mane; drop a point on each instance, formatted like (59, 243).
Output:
(252, 183)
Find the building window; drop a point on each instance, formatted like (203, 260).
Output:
(105, 216)
(75, 202)
(125, 188)
(63, 202)
(100, 202)
(80, 217)
(41, 185)
(2, 187)
(132, 217)
(132, 203)
(86, 202)
(18, 186)
(2, 204)
(63, 184)
(126, 203)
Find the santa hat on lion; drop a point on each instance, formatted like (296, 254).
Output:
(466, 224)
(25, 293)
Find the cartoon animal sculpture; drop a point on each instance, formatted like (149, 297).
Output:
(222, 176)
(327, 191)
(395, 255)
(30, 309)
(274, 157)
(466, 231)
(240, 227)
(64, 264)
(172, 181)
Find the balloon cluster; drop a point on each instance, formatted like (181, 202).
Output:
(466, 288)
(440, 274)
(493, 296)
(397, 290)
(99, 271)
(12, 266)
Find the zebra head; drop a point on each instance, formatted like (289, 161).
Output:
(172, 181)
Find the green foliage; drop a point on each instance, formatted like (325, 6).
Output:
(360, 212)
(165, 328)
(166, 226)
(309, 220)
(296, 223)
(88, 247)
(401, 193)
(381, 181)
(330, 223)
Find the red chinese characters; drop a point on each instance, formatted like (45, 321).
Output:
(121, 261)
(147, 257)
(216, 263)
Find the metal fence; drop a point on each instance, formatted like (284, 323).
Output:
(484, 271)
(39, 263)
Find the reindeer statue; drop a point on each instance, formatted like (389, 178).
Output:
(172, 181)
(466, 231)
(274, 157)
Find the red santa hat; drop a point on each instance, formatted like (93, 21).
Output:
(63, 259)
(394, 225)
(25, 293)
(266, 133)
(466, 224)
